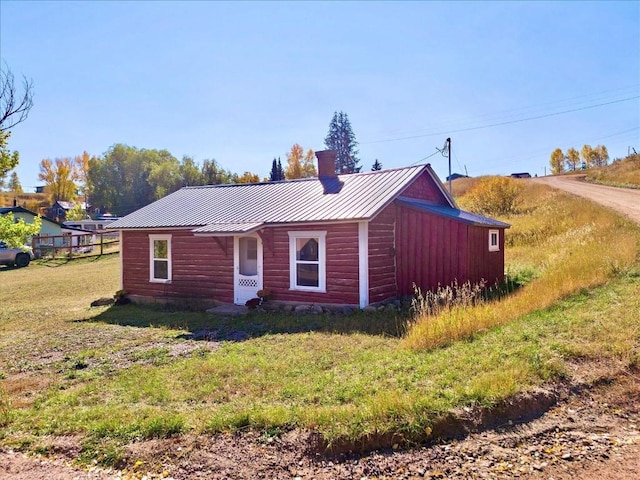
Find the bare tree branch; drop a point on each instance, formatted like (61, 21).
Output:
(14, 107)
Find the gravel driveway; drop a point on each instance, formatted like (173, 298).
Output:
(623, 200)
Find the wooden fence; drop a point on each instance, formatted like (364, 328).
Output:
(70, 246)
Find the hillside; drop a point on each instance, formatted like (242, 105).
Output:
(621, 173)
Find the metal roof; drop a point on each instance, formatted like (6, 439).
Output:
(242, 207)
(452, 213)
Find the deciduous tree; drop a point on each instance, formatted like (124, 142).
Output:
(214, 174)
(81, 163)
(573, 158)
(294, 167)
(59, 177)
(588, 156)
(601, 155)
(190, 172)
(122, 180)
(308, 165)
(248, 177)
(14, 184)
(14, 108)
(16, 233)
(557, 161)
(342, 139)
(76, 213)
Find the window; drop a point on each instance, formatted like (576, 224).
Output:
(494, 240)
(160, 258)
(307, 261)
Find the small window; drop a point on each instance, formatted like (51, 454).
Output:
(494, 240)
(160, 258)
(307, 261)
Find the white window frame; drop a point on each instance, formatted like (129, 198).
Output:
(152, 259)
(321, 236)
(494, 247)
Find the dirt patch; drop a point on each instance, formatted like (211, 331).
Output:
(591, 433)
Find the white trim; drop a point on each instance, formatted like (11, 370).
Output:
(153, 238)
(363, 262)
(322, 260)
(236, 267)
(494, 247)
(121, 245)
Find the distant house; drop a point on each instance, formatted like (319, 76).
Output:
(58, 211)
(521, 175)
(455, 176)
(350, 240)
(52, 233)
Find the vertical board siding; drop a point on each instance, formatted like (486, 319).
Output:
(483, 264)
(431, 250)
(424, 188)
(341, 267)
(200, 268)
(382, 258)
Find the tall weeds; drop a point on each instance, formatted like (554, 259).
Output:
(570, 243)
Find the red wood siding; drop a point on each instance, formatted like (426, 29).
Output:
(341, 268)
(382, 262)
(200, 268)
(430, 250)
(424, 188)
(483, 264)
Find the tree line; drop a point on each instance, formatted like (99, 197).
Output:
(126, 178)
(588, 157)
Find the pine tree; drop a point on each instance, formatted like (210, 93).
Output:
(276, 171)
(273, 175)
(342, 139)
(280, 170)
(376, 166)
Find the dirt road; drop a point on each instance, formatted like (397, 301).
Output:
(623, 200)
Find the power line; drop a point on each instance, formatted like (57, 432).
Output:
(526, 119)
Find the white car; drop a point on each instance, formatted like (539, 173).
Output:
(20, 257)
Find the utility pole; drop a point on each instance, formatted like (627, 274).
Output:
(447, 144)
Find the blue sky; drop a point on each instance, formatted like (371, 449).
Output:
(242, 82)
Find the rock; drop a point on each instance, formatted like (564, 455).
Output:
(317, 309)
(370, 309)
(302, 308)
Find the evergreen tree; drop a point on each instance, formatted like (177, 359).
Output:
(342, 139)
(280, 170)
(276, 171)
(376, 166)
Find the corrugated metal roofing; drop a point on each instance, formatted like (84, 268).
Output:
(453, 213)
(219, 208)
(229, 228)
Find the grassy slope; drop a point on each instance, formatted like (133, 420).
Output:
(114, 373)
(623, 173)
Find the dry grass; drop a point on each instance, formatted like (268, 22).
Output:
(568, 244)
(623, 173)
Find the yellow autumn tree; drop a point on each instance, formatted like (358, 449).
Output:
(248, 177)
(573, 158)
(557, 161)
(59, 177)
(300, 164)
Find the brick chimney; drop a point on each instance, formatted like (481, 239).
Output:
(326, 163)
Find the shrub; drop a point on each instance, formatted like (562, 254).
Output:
(493, 196)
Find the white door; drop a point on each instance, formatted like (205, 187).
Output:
(247, 262)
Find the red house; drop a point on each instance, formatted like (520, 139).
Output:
(350, 240)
